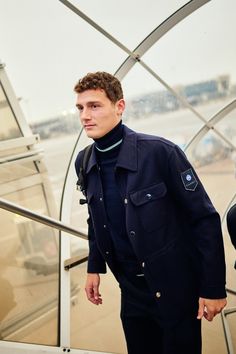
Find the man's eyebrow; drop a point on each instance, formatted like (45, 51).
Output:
(87, 103)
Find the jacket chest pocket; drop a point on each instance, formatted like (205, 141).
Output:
(151, 206)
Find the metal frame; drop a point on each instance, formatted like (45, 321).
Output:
(210, 125)
(14, 104)
(21, 348)
(28, 138)
(19, 142)
(158, 33)
(228, 338)
(228, 311)
(135, 57)
(24, 156)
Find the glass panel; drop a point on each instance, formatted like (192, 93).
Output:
(71, 46)
(232, 320)
(133, 15)
(96, 327)
(203, 62)
(57, 153)
(231, 283)
(15, 151)
(212, 158)
(32, 198)
(79, 212)
(88, 321)
(11, 172)
(9, 127)
(29, 278)
(154, 110)
(227, 126)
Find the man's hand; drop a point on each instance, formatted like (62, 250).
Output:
(92, 288)
(208, 308)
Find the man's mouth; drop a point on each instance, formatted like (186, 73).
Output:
(87, 126)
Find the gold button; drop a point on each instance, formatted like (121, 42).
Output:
(158, 294)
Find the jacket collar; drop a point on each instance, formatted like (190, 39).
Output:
(127, 158)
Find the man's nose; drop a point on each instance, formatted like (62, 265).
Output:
(84, 114)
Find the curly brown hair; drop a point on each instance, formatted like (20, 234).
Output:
(101, 80)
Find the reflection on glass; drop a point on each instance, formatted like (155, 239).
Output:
(11, 172)
(29, 260)
(9, 127)
(96, 327)
(212, 159)
(13, 151)
(157, 111)
(227, 126)
(57, 153)
(90, 324)
(209, 149)
(199, 58)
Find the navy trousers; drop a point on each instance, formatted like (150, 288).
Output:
(144, 330)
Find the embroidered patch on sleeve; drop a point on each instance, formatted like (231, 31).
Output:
(189, 180)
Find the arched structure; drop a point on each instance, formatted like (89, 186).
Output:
(173, 88)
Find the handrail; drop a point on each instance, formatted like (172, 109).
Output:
(42, 219)
(74, 261)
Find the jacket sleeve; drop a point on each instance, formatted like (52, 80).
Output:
(96, 263)
(204, 224)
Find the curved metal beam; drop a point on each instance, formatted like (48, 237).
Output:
(141, 49)
(156, 34)
(96, 26)
(152, 38)
(210, 125)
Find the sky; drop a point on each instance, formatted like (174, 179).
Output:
(47, 48)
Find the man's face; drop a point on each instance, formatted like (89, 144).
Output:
(98, 114)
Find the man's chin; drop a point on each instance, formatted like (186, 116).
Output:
(93, 135)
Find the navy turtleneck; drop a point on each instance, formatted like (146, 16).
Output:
(115, 209)
(114, 135)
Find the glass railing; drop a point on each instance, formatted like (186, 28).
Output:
(30, 279)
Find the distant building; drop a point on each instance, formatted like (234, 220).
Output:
(143, 106)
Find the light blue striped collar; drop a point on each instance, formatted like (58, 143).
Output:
(109, 147)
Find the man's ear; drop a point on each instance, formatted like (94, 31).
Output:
(120, 105)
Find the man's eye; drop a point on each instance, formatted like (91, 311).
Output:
(94, 106)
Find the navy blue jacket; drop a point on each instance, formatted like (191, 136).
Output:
(173, 227)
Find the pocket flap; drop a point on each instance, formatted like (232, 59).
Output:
(148, 194)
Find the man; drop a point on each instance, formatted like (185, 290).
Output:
(152, 222)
